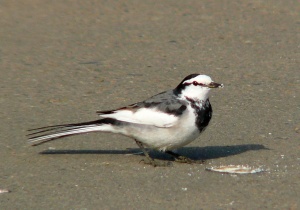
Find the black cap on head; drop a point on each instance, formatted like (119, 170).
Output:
(181, 86)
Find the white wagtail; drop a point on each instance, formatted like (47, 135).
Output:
(166, 121)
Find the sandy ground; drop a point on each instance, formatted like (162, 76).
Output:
(63, 60)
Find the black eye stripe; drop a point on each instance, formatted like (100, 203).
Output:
(197, 84)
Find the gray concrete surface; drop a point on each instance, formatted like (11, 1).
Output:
(60, 61)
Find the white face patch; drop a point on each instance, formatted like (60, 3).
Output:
(197, 92)
(204, 79)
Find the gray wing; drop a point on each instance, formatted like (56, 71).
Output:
(161, 110)
(164, 102)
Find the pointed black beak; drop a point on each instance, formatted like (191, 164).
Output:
(215, 85)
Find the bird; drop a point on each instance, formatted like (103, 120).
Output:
(163, 122)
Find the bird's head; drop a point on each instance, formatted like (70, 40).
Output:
(196, 86)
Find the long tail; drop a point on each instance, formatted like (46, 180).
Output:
(44, 134)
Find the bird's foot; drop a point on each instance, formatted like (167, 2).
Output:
(183, 159)
(156, 163)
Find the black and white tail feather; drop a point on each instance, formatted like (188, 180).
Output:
(48, 133)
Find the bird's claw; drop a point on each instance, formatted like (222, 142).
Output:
(183, 159)
(156, 163)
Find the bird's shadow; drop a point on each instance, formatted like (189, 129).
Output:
(195, 153)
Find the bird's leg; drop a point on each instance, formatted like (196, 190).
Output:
(150, 160)
(183, 159)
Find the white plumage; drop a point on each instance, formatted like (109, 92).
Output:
(145, 116)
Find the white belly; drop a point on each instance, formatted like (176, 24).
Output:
(179, 135)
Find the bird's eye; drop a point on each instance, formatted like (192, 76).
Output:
(195, 83)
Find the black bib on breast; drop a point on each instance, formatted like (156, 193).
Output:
(203, 111)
